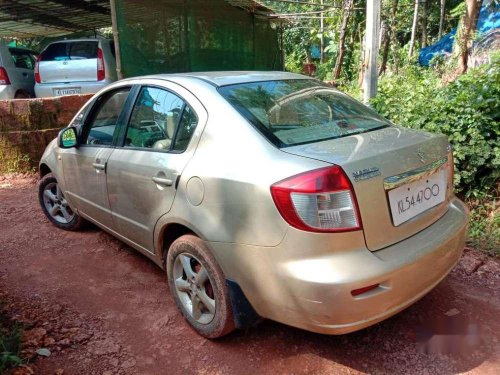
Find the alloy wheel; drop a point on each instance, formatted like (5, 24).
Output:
(194, 288)
(56, 205)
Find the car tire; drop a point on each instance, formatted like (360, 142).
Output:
(193, 276)
(55, 206)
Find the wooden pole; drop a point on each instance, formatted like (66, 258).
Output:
(370, 79)
(116, 38)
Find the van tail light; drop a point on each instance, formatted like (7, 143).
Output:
(4, 77)
(321, 200)
(38, 79)
(101, 70)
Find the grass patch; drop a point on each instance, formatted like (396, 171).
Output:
(10, 342)
(484, 226)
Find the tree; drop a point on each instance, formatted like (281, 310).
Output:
(346, 13)
(423, 20)
(390, 32)
(441, 18)
(466, 31)
(413, 29)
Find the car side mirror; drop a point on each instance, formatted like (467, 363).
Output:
(68, 138)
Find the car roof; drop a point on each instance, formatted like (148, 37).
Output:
(224, 78)
(77, 40)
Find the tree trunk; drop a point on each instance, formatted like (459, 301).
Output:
(413, 29)
(346, 13)
(423, 20)
(391, 29)
(322, 40)
(466, 31)
(362, 66)
(441, 19)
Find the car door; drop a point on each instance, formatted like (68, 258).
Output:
(85, 167)
(23, 77)
(156, 146)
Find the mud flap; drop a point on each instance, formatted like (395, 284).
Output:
(244, 314)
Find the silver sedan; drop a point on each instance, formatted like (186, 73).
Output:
(262, 195)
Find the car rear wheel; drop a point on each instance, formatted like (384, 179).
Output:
(55, 206)
(199, 287)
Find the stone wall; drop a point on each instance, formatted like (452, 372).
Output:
(28, 125)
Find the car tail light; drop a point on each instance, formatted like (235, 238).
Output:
(101, 70)
(321, 200)
(38, 79)
(4, 77)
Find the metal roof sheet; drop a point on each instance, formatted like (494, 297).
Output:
(30, 18)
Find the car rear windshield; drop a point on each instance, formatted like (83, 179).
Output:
(70, 51)
(293, 112)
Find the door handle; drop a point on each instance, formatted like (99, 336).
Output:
(162, 181)
(25, 74)
(99, 166)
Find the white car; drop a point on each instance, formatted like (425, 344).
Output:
(77, 66)
(16, 72)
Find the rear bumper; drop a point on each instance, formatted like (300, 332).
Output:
(7, 92)
(307, 283)
(44, 90)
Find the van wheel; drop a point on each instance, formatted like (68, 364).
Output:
(55, 206)
(199, 287)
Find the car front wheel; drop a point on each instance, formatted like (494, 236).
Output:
(55, 206)
(199, 287)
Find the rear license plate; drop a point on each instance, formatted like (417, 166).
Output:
(411, 199)
(68, 91)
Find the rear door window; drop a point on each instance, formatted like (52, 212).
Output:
(80, 50)
(22, 59)
(161, 121)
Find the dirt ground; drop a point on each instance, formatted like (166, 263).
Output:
(101, 308)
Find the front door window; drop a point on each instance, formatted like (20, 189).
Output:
(103, 123)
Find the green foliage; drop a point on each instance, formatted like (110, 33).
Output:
(324, 71)
(484, 225)
(293, 63)
(467, 111)
(10, 343)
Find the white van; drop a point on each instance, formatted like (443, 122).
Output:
(77, 66)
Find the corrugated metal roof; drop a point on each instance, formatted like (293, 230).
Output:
(29, 18)
(251, 6)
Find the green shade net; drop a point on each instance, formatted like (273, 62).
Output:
(168, 36)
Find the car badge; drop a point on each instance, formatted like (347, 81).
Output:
(365, 174)
(421, 156)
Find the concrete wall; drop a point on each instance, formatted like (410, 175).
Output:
(28, 125)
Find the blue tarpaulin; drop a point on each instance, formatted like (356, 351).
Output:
(489, 19)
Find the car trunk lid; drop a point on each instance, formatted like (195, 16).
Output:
(69, 62)
(381, 161)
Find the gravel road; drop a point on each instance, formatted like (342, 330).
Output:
(101, 308)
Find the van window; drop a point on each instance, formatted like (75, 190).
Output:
(80, 50)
